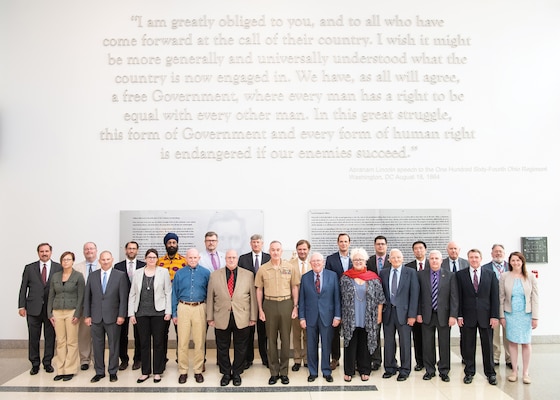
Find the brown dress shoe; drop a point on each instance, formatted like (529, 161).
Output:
(183, 378)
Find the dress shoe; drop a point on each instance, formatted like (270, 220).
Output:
(84, 367)
(311, 378)
(508, 364)
(113, 378)
(123, 366)
(68, 377)
(375, 367)
(512, 377)
(305, 365)
(136, 365)
(328, 378)
(265, 363)
(157, 378)
(496, 363)
(97, 378)
(198, 378)
(248, 364)
(492, 380)
(467, 379)
(402, 377)
(284, 379)
(58, 377)
(183, 378)
(296, 367)
(34, 371)
(387, 375)
(334, 364)
(444, 377)
(236, 380)
(225, 380)
(273, 379)
(527, 379)
(428, 375)
(143, 378)
(49, 369)
(418, 367)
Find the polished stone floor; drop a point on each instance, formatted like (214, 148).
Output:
(15, 382)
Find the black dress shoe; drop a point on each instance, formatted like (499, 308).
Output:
(236, 380)
(296, 367)
(136, 365)
(273, 379)
(492, 380)
(305, 365)
(113, 378)
(198, 378)
(34, 371)
(123, 366)
(444, 377)
(418, 367)
(284, 379)
(508, 364)
(328, 378)
(496, 363)
(157, 380)
(467, 379)
(84, 367)
(68, 377)
(428, 375)
(311, 378)
(97, 378)
(49, 369)
(225, 380)
(183, 378)
(58, 377)
(402, 377)
(375, 367)
(265, 363)
(387, 375)
(141, 380)
(248, 364)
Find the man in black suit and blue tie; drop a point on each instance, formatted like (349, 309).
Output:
(339, 262)
(105, 309)
(32, 304)
(319, 313)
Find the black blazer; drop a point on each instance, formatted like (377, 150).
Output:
(478, 307)
(33, 295)
(448, 296)
(333, 263)
(246, 261)
(371, 263)
(121, 266)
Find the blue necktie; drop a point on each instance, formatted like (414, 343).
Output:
(379, 264)
(104, 282)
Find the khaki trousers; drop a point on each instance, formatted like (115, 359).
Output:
(66, 359)
(191, 320)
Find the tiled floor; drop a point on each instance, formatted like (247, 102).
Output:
(15, 382)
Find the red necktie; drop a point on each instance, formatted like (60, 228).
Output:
(420, 265)
(475, 281)
(318, 283)
(230, 284)
(44, 274)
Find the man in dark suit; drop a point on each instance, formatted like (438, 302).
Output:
(419, 264)
(319, 312)
(437, 310)
(105, 309)
(401, 288)
(252, 262)
(339, 262)
(128, 266)
(32, 304)
(478, 309)
(231, 308)
(454, 263)
(376, 263)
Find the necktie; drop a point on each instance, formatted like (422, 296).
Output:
(420, 266)
(454, 266)
(257, 265)
(303, 267)
(500, 268)
(89, 270)
(394, 287)
(104, 282)
(435, 290)
(44, 274)
(214, 261)
(379, 264)
(318, 284)
(475, 281)
(230, 283)
(130, 270)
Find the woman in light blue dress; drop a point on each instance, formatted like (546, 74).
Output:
(519, 310)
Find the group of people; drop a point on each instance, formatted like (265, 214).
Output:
(306, 300)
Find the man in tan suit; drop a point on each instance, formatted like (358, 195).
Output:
(299, 338)
(231, 309)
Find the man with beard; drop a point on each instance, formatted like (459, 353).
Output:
(173, 262)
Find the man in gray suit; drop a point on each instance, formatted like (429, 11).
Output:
(454, 263)
(32, 303)
(105, 309)
(401, 288)
(437, 310)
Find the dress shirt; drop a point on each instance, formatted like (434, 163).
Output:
(94, 267)
(172, 264)
(478, 273)
(228, 274)
(47, 265)
(345, 261)
(108, 275)
(398, 271)
(190, 284)
(320, 277)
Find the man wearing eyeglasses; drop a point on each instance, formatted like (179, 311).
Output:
(212, 259)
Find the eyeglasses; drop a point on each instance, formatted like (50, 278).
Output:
(211, 240)
(67, 260)
(150, 257)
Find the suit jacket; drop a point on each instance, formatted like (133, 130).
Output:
(67, 295)
(447, 300)
(333, 263)
(412, 264)
(529, 288)
(246, 261)
(206, 261)
(111, 305)
(447, 264)
(32, 293)
(407, 294)
(122, 266)
(243, 303)
(324, 306)
(490, 267)
(478, 307)
(371, 263)
(162, 291)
